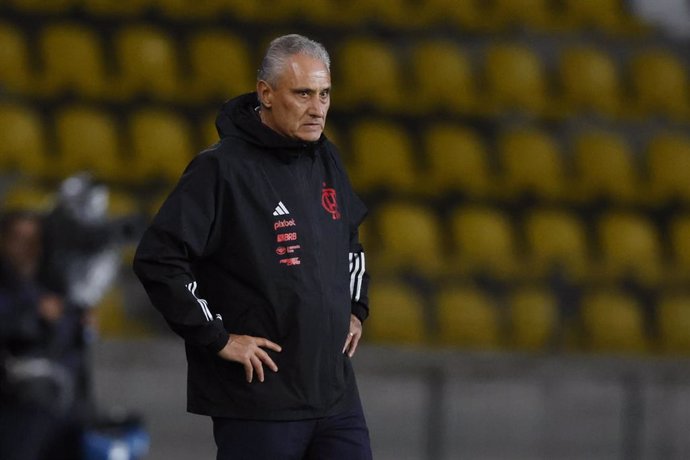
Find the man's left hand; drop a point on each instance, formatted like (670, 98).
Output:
(353, 336)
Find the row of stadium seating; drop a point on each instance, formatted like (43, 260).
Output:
(608, 16)
(434, 160)
(472, 240)
(529, 318)
(429, 76)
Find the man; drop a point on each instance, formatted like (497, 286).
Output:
(254, 260)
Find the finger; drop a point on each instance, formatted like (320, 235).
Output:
(249, 372)
(263, 356)
(348, 340)
(353, 345)
(265, 343)
(258, 367)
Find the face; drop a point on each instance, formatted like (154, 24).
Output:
(22, 245)
(297, 105)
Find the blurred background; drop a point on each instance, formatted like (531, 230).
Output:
(526, 164)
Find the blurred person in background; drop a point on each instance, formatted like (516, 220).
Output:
(41, 355)
(254, 259)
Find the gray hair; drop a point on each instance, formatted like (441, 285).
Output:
(281, 48)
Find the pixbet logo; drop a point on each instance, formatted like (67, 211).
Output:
(284, 223)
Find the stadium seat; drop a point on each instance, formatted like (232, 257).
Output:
(613, 323)
(457, 162)
(147, 64)
(382, 157)
(679, 241)
(399, 317)
(605, 168)
(589, 82)
(22, 141)
(533, 318)
(161, 145)
(410, 240)
(88, 140)
(72, 61)
(660, 84)
(531, 164)
(484, 242)
(26, 196)
(42, 6)
(629, 247)
(525, 91)
(467, 318)
(528, 15)
(116, 8)
(378, 61)
(220, 66)
(608, 16)
(462, 15)
(16, 76)
(673, 317)
(195, 10)
(556, 241)
(668, 163)
(442, 78)
(207, 129)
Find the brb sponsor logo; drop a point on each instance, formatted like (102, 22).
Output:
(284, 223)
(283, 237)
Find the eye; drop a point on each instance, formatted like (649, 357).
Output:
(324, 94)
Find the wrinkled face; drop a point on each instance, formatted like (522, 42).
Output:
(297, 105)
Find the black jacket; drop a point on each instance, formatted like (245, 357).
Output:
(259, 237)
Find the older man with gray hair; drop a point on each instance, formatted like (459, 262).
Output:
(254, 260)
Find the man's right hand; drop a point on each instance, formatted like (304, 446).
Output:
(248, 351)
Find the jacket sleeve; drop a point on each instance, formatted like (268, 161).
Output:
(180, 234)
(359, 276)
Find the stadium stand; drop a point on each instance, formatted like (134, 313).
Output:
(519, 140)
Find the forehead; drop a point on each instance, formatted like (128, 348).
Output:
(302, 71)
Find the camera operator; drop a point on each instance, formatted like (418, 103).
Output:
(41, 351)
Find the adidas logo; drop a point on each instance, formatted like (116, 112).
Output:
(281, 210)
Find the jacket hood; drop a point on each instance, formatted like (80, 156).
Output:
(239, 118)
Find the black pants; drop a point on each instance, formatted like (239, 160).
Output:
(344, 436)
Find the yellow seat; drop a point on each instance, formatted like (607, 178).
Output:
(630, 247)
(679, 236)
(16, 76)
(220, 66)
(72, 61)
(382, 157)
(22, 141)
(556, 242)
(410, 239)
(376, 59)
(534, 320)
(207, 131)
(532, 165)
(467, 318)
(41, 6)
(673, 316)
(484, 242)
(589, 82)
(186, 10)
(604, 168)
(88, 140)
(525, 90)
(397, 315)
(442, 78)
(147, 63)
(660, 84)
(668, 163)
(161, 145)
(613, 323)
(609, 16)
(530, 15)
(116, 8)
(458, 162)
(461, 14)
(27, 196)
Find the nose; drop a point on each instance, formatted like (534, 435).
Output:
(317, 108)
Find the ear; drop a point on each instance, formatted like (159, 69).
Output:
(265, 93)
